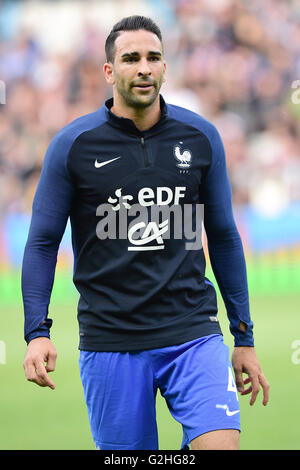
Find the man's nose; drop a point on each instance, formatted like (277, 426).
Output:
(144, 68)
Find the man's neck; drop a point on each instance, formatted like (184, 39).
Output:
(143, 118)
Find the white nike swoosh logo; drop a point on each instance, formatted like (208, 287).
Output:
(98, 165)
(228, 412)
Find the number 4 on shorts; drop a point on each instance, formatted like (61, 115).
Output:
(231, 383)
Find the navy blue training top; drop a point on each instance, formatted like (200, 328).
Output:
(139, 285)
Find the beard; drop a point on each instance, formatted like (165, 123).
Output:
(138, 100)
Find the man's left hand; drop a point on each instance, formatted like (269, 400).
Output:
(244, 360)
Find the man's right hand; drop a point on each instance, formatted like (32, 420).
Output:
(40, 351)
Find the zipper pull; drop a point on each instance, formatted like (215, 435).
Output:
(146, 160)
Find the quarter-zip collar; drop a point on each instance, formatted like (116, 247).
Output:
(128, 125)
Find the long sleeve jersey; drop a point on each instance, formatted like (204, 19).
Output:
(140, 284)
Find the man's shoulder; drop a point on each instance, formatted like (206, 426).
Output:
(192, 119)
(76, 127)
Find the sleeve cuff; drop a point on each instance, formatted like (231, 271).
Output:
(37, 334)
(242, 338)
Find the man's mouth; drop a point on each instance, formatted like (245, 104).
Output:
(144, 86)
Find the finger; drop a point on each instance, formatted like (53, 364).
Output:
(43, 377)
(266, 388)
(30, 373)
(247, 380)
(38, 381)
(239, 379)
(50, 367)
(247, 391)
(255, 389)
(32, 376)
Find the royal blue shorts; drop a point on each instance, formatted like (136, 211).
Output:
(195, 378)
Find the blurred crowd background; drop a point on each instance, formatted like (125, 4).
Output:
(235, 62)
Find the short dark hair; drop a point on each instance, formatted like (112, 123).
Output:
(130, 23)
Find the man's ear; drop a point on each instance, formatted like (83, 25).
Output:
(165, 71)
(108, 70)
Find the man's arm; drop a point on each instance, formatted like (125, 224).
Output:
(229, 267)
(38, 270)
(51, 208)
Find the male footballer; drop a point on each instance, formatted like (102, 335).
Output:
(136, 177)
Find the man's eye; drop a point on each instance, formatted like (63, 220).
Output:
(154, 58)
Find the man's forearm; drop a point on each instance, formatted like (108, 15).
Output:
(38, 269)
(228, 263)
